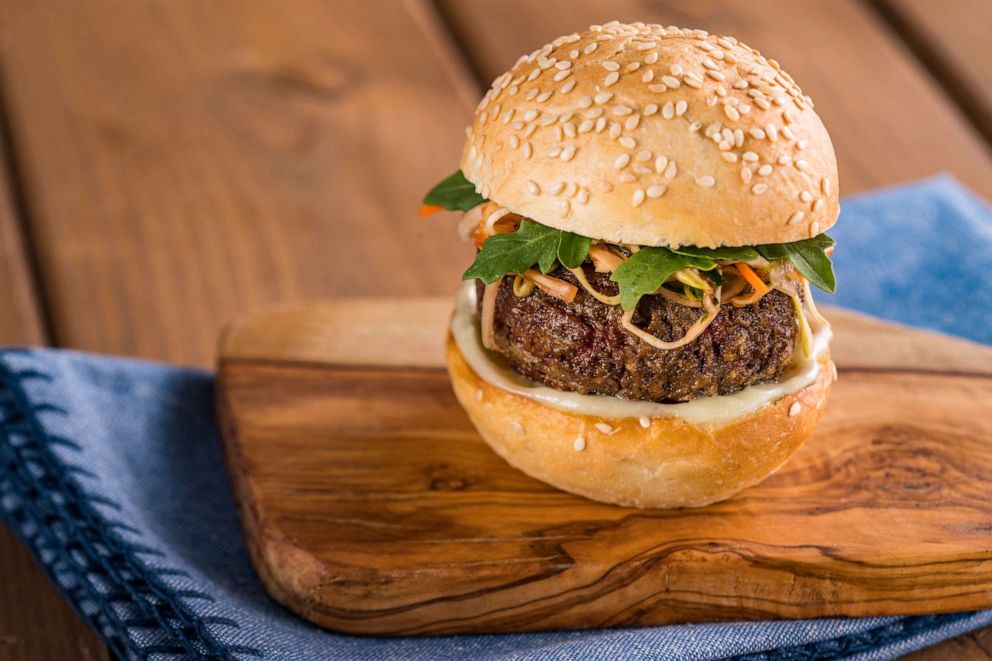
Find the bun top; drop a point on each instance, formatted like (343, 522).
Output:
(654, 135)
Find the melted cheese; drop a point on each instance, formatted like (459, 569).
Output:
(704, 410)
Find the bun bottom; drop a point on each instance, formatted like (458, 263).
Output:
(669, 463)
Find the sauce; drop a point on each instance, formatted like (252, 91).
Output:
(704, 410)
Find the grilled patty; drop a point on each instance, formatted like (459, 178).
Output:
(580, 346)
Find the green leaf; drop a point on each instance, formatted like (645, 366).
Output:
(809, 257)
(726, 254)
(573, 249)
(515, 252)
(456, 193)
(647, 269)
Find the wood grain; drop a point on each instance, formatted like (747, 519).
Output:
(185, 162)
(35, 621)
(888, 120)
(371, 505)
(952, 39)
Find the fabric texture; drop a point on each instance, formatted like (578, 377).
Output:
(111, 472)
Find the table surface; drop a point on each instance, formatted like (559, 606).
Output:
(168, 165)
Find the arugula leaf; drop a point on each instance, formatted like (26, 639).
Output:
(726, 254)
(809, 257)
(573, 249)
(515, 252)
(455, 193)
(644, 271)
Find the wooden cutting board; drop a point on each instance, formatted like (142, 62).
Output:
(371, 506)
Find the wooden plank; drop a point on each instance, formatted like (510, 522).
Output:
(35, 621)
(437, 535)
(952, 38)
(188, 161)
(888, 120)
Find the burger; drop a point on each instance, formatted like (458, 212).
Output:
(648, 206)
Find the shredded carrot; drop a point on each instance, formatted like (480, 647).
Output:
(428, 209)
(752, 278)
(552, 286)
(604, 259)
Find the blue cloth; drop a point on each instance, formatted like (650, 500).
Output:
(111, 473)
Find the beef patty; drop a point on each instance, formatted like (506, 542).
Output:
(581, 346)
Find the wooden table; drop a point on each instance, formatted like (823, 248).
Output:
(168, 165)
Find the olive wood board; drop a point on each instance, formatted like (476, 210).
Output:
(371, 506)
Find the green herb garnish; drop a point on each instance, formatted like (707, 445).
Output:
(456, 193)
(648, 268)
(518, 251)
(809, 257)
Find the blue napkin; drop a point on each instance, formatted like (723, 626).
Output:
(111, 473)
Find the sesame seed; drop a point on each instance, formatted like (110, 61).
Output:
(650, 109)
(731, 112)
(567, 87)
(694, 126)
(603, 428)
(533, 188)
(529, 131)
(825, 185)
(600, 124)
(656, 191)
(586, 125)
(814, 228)
(658, 88)
(772, 132)
(622, 161)
(765, 170)
(651, 57)
(750, 156)
(709, 64)
(671, 81)
(648, 76)
(533, 75)
(514, 141)
(668, 111)
(784, 159)
(590, 47)
(530, 115)
(806, 196)
(627, 177)
(715, 75)
(611, 78)
(568, 152)
(583, 196)
(636, 200)
(692, 81)
(579, 444)
(671, 170)
(758, 189)
(795, 409)
(645, 422)
(603, 97)
(611, 66)
(641, 169)
(706, 181)
(632, 122)
(565, 208)
(615, 130)
(817, 205)
(574, 53)
(730, 157)
(563, 64)
(528, 150)
(562, 75)
(680, 107)
(557, 187)
(628, 142)
(802, 144)
(594, 113)
(796, 217)
(584, 102)
(660, 163)
(746, 174)
(762, 103)
(516, 426)
(621, 111)
(554, 152)
(802, 165)
(644, 155)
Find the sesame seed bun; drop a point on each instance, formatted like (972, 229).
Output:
(654, 136)
(670, 463)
